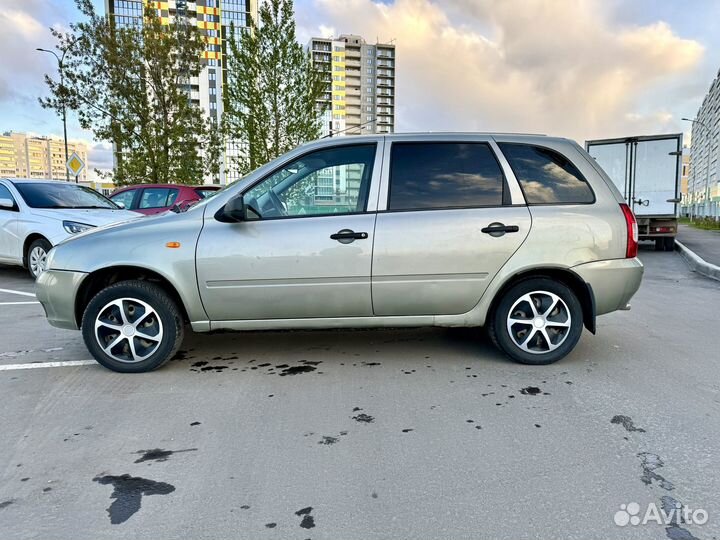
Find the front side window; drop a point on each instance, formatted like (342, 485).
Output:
(125, 197)
(433, 176)
(325, 182)
(157, 198)
(5, 194)
(546, 176)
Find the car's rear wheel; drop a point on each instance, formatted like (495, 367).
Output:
(537, 321)
(132, 326)
(36, 257)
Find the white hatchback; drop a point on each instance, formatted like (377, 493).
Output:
(35, 215)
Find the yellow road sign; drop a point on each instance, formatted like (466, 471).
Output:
(75, 165)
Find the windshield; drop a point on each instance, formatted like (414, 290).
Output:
(60, 195)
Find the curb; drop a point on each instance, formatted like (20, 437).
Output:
(696, 263)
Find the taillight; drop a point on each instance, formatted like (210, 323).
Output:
(632, 232)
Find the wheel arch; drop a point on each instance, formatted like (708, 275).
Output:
(99, 279)
(582, 290)
(29, 239)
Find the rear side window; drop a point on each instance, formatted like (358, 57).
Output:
(157, 198)
(546, 176)
(432, 176)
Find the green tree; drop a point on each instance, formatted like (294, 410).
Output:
(272, 88)
(130, 86)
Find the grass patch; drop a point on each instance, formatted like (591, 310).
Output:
(705, 223)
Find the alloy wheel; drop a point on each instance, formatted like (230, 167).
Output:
(539, 322)
(128, 330)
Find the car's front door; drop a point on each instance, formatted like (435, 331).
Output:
(448, 226)
(9, 241)
(309, 253)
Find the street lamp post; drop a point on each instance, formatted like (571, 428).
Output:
(64, 116)
(706, 201)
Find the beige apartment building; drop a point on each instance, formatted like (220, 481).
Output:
(29, 156)
(359, 93)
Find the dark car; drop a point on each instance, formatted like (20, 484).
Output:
(157, 198)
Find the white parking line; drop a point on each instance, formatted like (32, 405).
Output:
(21, 293)
(17, 303)
(69, 363)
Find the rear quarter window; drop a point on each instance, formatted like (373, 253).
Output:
(546, 176)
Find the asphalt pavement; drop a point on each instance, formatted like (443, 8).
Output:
(412, 434)
(704, 243)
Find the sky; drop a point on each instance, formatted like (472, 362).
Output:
(575, 68)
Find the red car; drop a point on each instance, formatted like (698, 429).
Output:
(157, 198)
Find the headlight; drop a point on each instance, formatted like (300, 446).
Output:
(73, 227)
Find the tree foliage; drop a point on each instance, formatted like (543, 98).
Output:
(272, 88)
(130, 86)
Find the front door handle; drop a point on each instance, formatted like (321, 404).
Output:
(499, 229)
(346, 236)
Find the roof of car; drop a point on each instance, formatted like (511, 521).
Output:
(194, 186)
(435, 136)
(35, 181)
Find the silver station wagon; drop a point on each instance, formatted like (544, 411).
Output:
(525, 235)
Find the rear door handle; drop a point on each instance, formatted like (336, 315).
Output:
(499, 229)
(346, 236)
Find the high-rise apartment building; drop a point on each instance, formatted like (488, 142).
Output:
(213, 19)
(360, 84)
(703, 188)
(24, 156)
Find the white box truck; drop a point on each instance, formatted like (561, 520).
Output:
(646, 170)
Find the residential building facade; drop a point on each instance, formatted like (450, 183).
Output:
(213, 18)
(360, 84)
(703, 190)
(359, 99)
(29, 156)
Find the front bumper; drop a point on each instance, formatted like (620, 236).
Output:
(56, 290)
(613, 282)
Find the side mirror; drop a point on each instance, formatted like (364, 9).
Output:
(675, 200)
(233, 211)
(120, 205)
(7, 204)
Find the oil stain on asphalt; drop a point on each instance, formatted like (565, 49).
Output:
(308, 522)
(128, 492)
(158, 454)
(650, 463)
(626, 422)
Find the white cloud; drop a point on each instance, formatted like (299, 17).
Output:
(564, 68)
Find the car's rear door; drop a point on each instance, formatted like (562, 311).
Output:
(450, 215)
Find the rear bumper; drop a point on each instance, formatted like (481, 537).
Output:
(56, 291)
(614, 282)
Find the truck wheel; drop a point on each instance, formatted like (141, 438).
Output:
(538, 321)
(669, 243)
(660, 244)
(36, 257)
(132, 327)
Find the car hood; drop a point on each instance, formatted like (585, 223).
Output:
(90, 216)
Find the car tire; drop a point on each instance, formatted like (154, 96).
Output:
(669, 243)
(36, 256)
(555, 313)
(142, 337)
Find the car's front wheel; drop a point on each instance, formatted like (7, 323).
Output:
(132, 326)
(36, 257)
(537, 321)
